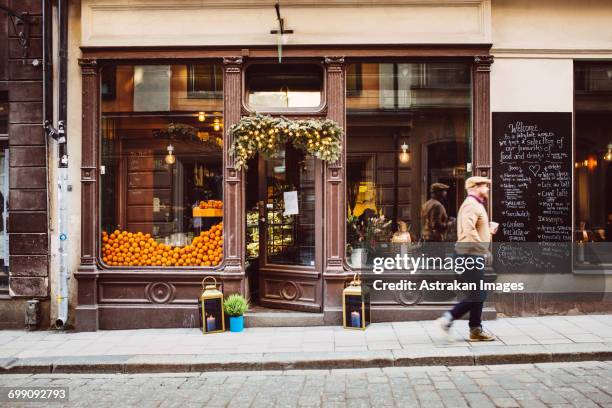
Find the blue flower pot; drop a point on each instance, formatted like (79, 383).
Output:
(236, 323)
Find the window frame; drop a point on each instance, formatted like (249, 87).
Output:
(105, 64)
(194, 94)
(421, 61)
(577, 268)
(318, 110)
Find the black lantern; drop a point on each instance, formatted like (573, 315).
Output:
(355, 305)
(212, 317)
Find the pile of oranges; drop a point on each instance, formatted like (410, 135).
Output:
(210, 204)
(123, 248)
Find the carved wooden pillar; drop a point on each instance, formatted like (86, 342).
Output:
(482, 115)
(87, 299)
(335, 213)
(233, 194)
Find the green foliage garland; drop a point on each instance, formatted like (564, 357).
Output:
(265, 134)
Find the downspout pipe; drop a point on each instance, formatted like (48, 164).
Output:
(63, 182)
(59, 134)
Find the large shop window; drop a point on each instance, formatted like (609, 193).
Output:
(408, 136)
(161, 193)
(593, 160)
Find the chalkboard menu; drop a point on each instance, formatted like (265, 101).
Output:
(532, 185)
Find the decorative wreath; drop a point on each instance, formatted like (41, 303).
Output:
(265, 134)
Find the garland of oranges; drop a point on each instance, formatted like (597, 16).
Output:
(123, 248)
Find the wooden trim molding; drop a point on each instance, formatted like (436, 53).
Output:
(170, 53)
(233, 192)
(481, 113)
(241, 4)
(334, 230)
(86, 312)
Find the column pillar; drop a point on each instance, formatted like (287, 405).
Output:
(86, 318)
(334, 208)
(233, 192)
(482, 115)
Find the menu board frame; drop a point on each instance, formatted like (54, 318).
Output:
(538, 176)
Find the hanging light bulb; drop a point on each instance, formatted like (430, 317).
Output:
(170, 157)
(608, 156)
(216, 125)
(404, 156)
(201, 116)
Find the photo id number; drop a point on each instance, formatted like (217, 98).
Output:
(33, 394)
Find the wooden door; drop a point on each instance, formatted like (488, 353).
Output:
(290, 225)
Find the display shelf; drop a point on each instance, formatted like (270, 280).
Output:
(207, 212)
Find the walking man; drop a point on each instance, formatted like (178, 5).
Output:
(473, 240)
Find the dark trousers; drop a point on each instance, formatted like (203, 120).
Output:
(475, 309)
(473, 300)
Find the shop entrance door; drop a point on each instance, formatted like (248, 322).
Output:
(290, 231)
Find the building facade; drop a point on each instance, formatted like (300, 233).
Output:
(425, 92)
(23, 165)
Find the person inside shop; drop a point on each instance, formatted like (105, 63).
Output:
(474, 232)
(434, 218)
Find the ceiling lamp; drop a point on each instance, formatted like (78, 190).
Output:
(201, 116)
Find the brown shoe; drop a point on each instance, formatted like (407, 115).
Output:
(477, 334)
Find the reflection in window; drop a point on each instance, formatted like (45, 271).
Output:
(408, 155)
(205, 81)
(161, 188)
(593, 155)
(4, 110)
(271, 87)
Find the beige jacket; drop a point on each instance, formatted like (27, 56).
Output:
(473, 233)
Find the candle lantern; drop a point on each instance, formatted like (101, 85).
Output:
(355, 305)
(212, 317)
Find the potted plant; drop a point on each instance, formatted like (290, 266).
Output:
(235, 306)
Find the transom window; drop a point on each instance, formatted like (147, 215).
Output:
(284, 86)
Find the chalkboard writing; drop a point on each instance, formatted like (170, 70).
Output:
(532, 173)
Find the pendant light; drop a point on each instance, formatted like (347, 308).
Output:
(608, 156)
(404, 155)
(170, 158)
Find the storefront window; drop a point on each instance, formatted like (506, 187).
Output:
(593, 160)
(4, 113)
(161, 195)
(408, 140)
(282, 87)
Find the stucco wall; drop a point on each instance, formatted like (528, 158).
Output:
(248, 22)
(552, 26)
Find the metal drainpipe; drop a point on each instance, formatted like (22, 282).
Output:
(63, 185)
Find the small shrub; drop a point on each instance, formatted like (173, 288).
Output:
(235, 305)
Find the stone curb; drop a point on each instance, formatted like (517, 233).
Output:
(451, 356)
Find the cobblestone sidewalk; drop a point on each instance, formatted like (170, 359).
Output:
(584, 384)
